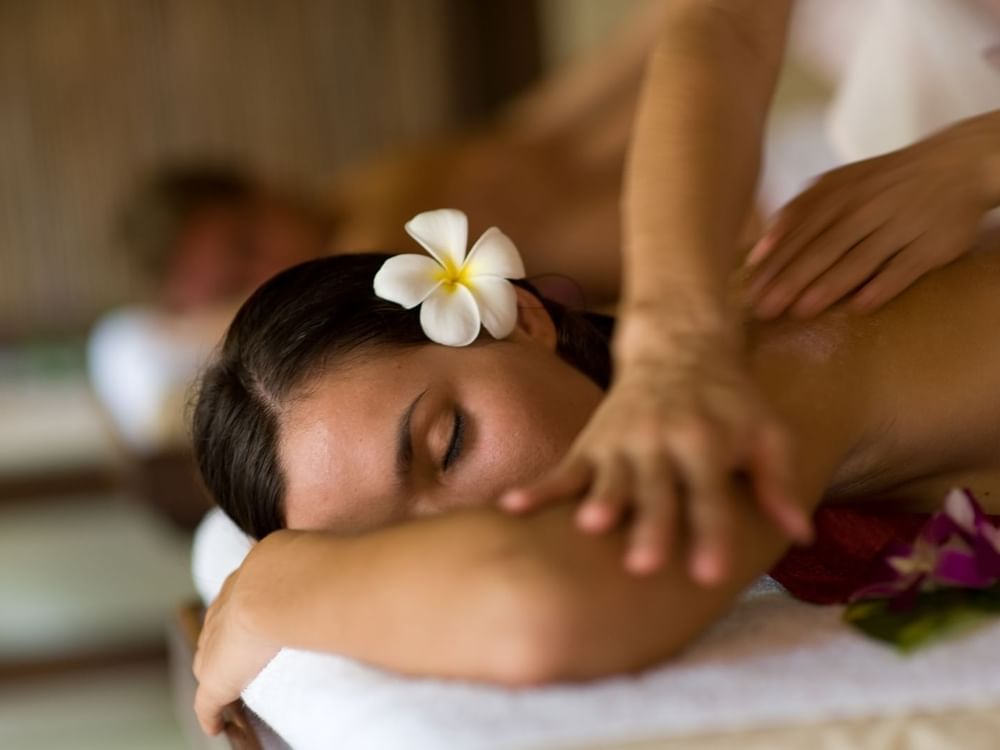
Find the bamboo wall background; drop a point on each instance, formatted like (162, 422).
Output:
(93, 91)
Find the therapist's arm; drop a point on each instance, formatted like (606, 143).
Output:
(682, 410)
(694, 158)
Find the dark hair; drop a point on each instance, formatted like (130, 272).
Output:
(151, 219)
(290, 329)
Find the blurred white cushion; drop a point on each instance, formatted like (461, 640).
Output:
(142, 373)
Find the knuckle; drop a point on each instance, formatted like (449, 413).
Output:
(650, 459)
(697, 433)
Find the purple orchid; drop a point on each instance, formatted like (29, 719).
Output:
(958, 547)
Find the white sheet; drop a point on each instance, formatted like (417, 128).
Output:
(771, 661)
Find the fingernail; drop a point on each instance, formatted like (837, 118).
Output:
(592, 517)
(800, 526)
(863, 301)
(808, 305)
(769, 307)
(642, 561)
(759, 251)
(706, 569)
(513, 500)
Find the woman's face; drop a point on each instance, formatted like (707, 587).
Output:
(430, 429)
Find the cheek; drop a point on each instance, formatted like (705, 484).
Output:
(536, 426)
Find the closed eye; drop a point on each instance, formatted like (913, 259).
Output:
(455, 446)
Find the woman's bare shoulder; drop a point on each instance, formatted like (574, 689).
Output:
(934, 371)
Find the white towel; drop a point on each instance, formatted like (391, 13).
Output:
(771, 661)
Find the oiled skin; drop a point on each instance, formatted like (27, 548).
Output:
(919, 381)
(900, 404)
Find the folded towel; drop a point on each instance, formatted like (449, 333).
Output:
(771, 661)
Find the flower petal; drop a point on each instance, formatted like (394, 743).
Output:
(444, 233)
(991, 535)
(963, 510)
(957, 568)
(450, 316)
(497, 303)
(407, 279)
(495, 254)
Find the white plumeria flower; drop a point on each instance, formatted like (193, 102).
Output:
(458, 292)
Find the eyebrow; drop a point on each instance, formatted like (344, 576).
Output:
(404, 442)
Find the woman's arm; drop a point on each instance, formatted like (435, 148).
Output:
(476, 595)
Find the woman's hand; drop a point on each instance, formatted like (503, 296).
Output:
(878, 224)
(665, 443)
(230, 654)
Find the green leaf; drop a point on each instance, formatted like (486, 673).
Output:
(934, 615)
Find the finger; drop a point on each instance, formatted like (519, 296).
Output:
(609, 495)
(901, 271)
(770, 461)
(824, 251)
(761, 249)
(795, 277)
(655, 528)
(787, 219)
(704, 474)
(208, 711)
(568, 480)
(847, 274)
(789, 243)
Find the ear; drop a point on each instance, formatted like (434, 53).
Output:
(533, 321)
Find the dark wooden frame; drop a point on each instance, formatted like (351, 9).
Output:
(239, 729)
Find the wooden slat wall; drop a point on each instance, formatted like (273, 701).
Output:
(92, 91)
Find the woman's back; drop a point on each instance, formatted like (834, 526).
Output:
(914, 387)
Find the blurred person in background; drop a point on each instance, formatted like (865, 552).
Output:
(206, 233)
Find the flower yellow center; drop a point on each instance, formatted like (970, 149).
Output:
(451, 276)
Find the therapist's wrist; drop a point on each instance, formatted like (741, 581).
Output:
(663, 333)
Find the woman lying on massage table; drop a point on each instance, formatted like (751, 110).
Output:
(330, 420)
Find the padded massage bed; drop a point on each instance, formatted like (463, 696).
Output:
(775, 673)
(968, 729)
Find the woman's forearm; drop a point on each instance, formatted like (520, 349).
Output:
(424, 597)
(695, 151)
(482, 596)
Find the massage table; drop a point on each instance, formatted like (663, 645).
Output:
(773, 673)
(970, 729)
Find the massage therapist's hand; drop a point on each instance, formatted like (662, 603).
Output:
(872, 228)
(664, 443)
(230, 654)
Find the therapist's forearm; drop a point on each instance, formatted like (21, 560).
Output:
(694, 156)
